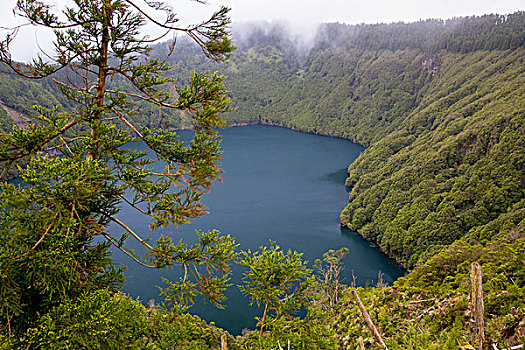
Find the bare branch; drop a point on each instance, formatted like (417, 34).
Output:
(162, 25)
(39, 241)
(126, 252)
(130, 231)
(6, 168)
(121, 117)
(149, 97)
(134, 206)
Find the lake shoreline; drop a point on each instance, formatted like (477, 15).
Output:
(294, 129)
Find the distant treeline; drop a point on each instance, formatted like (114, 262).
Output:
(463, 34)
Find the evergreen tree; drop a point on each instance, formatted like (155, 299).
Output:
(54, 236)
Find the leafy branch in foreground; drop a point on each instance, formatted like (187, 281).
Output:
(54, 235)
(282, 282)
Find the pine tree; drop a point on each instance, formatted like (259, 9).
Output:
(54, 236)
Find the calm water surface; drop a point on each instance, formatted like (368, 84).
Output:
(278, 185)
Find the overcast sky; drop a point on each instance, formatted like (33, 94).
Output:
(300, 12)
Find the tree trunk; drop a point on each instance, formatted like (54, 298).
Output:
(477, 308)
(102, 74)
(263, 320)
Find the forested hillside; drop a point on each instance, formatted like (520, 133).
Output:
(451, 169)
(441, 107)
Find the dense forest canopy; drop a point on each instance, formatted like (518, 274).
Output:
(440, 106)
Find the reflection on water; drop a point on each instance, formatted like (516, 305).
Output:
(338, 177)
(362, 251)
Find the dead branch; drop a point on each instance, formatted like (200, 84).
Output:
(368, 320)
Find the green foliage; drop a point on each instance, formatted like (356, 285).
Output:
(283, 284)
(463, 34)
(376, 89)
(93, 321)
(453, 166)
(431, 304)
(53, 231)
(279, 281)
(6, 123)
(311, 332)
(22, 94)
(47, 229)
(102, 320)
(211, 250)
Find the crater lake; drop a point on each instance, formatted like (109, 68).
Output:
(279, 185)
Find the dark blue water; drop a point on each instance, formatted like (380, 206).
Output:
(278, 185)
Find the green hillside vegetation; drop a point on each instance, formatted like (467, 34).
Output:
(452, 166)
(429, 308)
(6, 123)
(22, 94)
(441, 108)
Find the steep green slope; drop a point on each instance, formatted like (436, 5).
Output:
(6, 123)
(455, 164)
(359, 95)
(22, 94)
